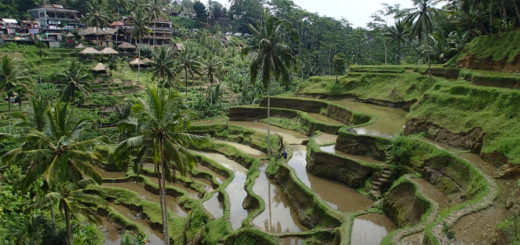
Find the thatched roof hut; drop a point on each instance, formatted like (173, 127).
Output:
(99, 68)
(89, 51)
(108, 50)
(69, 34)
(178, 47)
(79, 46)
(127, 46)
(143, 62)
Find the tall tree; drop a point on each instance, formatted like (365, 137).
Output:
(397, 34)
(212, 67)
(340, 65)
(140, 21)
(70, 199)
(13, 79)
(96, 16)
(76, 79)
(420, 19)
(272, 57)
(156, 11)
(188, 62)
(161, 125)
(163, 66)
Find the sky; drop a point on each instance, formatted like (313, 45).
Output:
(357, 12)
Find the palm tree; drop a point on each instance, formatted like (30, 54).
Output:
(156, 11)
(212, 67)
(397, 34)
(96, 16)
(420, 19)
(140, 21)
(163, 66)
(272, 57)
(13, 78)
(35, 117)
(76, 79)
(187, 60)
(71, 199)
(57, 153)
(161, 125)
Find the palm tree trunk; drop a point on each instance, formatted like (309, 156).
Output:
(97, 36)
(9, 104)
(162, 192)
(69, 226)
(268, 119)
(428, 53)
(517, 10)
(138, 63)
(398, 53)
(53, 220)
(186, 79)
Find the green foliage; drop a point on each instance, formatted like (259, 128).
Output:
(511, 228)
(250, 236)
(497, 47)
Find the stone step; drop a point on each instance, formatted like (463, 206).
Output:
(385, 175)
(376, 183)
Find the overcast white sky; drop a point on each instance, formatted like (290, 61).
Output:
(357, 12)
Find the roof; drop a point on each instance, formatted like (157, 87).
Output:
(96, 31)
(178, 46)
(79, 46)
(55, 7)
(117, 23)
(10, 21)
(136, 61)
(99, 67)
(126, 45)
(89, 50)
(69, 34)
(108, 51)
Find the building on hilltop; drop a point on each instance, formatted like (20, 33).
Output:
(160, 34)
(56, 18)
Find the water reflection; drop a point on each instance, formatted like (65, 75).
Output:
(370, 229)
(278, 215)
(338, 196)
(243, 148)
(214, 206)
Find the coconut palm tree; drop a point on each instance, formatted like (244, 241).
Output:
(35, 117)
(272, 57)
(156, 11)
(212, 67)
(58, 153)
(188, 61)
(420, 19)
(70, 199)
(140, 21)
(96, 16)
(161, 125)
(163, 66)
(76, 79)
(13, 79)
(397, 34)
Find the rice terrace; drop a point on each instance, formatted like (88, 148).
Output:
(259, 122)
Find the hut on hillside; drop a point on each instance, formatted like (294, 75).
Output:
(79, 46)
(100, 68)
(108, 51)
(89, 51)
(136, 62)
(127, 47)
(178, 47)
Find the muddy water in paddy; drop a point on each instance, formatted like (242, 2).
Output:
(148, 196)
(336, 195)
(191, 193)
(289, 136)
(332, 149)
(109, 175)
(325, 119)
(214, 206)
(243, 148)
(389, 122)
(370, 229)
(110, 231)
(153, 236)
(235, 189)
(278, 215)
(292, 241)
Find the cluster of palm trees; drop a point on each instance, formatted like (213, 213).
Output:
(168, 64)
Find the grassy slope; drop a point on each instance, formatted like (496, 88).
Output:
(382, 86)
(455, 105)
(498, 47)
(460, 108)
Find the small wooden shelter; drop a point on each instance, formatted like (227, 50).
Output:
(89, 51)
(108, 51)
(100, 68)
